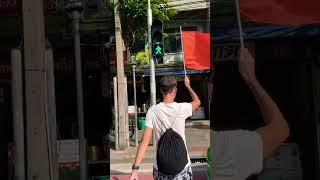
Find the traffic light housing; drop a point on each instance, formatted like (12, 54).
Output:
(157, 39)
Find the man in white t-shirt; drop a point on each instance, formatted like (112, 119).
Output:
(167, 111)
(238, 154)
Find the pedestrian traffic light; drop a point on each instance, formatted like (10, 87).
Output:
(157, 39)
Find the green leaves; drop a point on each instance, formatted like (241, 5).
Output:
(134, 13)
(143, 56)
(137, 9)
(134, 17)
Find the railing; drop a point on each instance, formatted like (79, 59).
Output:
(169, 59)
(173, 58)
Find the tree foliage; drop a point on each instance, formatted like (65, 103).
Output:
(135, 11)
(142, 57)
(134, 17)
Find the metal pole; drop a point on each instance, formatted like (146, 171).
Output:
(151, 61)
(51, 109)
(239, 24)
(126, 111)
(115, 101)
(17, 106)
(184, 64)
(209, 19)
(77, 53)
(135, 105)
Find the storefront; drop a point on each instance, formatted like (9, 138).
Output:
(96, 97)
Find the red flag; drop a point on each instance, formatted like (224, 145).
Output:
(281, 12)
(196, 47)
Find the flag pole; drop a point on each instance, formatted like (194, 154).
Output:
(239, 24)
(184, 64)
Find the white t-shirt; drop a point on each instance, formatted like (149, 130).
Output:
(236, 155)
(168, 113)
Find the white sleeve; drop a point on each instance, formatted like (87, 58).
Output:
(150, 118)
(247, 151)
(186, 109)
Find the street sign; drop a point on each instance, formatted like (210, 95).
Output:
(72, 5)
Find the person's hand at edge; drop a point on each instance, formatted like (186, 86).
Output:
(187, 82)
(134, 175)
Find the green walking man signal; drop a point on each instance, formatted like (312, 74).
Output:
(157, 39)
(158, 51)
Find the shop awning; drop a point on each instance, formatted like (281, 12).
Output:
(231, 34)
(176, 72)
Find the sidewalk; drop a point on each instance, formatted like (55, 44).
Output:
(198, 140)
(148, 176)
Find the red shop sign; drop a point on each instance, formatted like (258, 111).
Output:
(14, 7)
(5, 67)
(10, 7)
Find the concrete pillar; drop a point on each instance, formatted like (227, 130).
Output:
(120, 77)
(35, 90)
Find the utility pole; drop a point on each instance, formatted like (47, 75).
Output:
(35, 73)
(116, 119)
(120, 77)
(82, 146)
(135, 104)
(75, 7)
(151, 61)
(51, 114)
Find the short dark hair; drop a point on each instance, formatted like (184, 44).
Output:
(167, 84)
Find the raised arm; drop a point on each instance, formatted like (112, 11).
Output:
(195, 99)
(276, 129)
